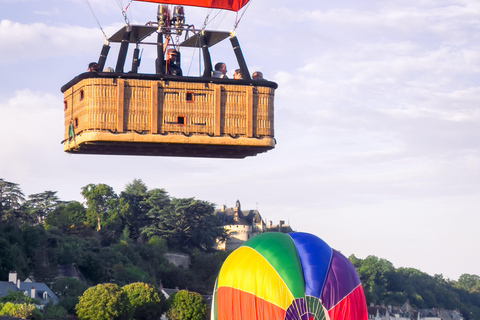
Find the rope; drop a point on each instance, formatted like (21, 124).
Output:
(241, 16)
(206, 22)
(94, 16)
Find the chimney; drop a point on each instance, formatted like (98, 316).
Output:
(280, 225)
(224, 207)
(33, 293)
(12, 277)
(18, 283)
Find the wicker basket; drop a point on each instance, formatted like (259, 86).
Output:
(159, 115)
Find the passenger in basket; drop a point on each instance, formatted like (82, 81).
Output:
(171, 68)
(220, 71)
(93, 67)
(257, 75)
(237, 75)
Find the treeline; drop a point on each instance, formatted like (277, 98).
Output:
(122, 239)
(382, 283)
(112, 238)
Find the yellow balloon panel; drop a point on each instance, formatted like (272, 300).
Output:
(246, 270)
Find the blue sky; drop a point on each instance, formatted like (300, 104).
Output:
(377, 120)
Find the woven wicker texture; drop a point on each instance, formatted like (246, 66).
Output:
(154, 108)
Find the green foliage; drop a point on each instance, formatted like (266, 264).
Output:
(11, 200)
(186, 305)
(469, 282)
(41, 204)
(68, 290)
(123, 238)
(146, 303)
(54, 312)
(104, 302)
(186, 223)
(204, 270)
(69, 218)
(21, 310)
(37, 315)
(383, 283)
(16, 298)
(103, 206)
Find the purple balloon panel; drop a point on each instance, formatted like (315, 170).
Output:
(340, 282)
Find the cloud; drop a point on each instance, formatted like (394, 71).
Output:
(26, 135)
(39, 41)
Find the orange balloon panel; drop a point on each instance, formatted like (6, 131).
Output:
(246, 306)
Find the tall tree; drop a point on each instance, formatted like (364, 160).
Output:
(69, 218)
(102, 205)
(11, 200)
(135, 218)
(41, 204)
(187, 223)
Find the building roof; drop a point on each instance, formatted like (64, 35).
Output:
(237, 216)
(40, 289)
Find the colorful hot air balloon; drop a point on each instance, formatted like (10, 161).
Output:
(296, 276)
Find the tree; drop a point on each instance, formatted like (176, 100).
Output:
(187, 223)
(68, 290)
(102, 205)
(41, 204)
(11, 200)
(54, 312)
(104, 302)
(17, 298)
(136, 217)
(145, 302)
(469, 282)
(22, 310)
(69, 218)
(374, 274)
(186, 305)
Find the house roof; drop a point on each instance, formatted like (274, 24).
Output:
(40, 289)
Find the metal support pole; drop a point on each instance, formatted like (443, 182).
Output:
(240, 59)
(135, 61)
(122, 54)
(103, 56)
(207, 60)
(160, 62)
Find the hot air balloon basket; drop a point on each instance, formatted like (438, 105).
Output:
(160, 111)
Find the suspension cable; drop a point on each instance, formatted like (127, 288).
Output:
(241, 16)
(95, 17)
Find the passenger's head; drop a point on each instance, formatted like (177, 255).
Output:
(222, 67)
(257, 75)
(172, 54)
(93, 67)
(237, 75)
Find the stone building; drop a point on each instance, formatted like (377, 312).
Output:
(244, 224)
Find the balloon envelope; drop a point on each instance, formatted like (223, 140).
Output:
(296, 276)
(233, 5)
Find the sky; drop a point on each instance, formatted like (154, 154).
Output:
(377, 119)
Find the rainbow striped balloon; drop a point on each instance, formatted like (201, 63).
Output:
(296, 276)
